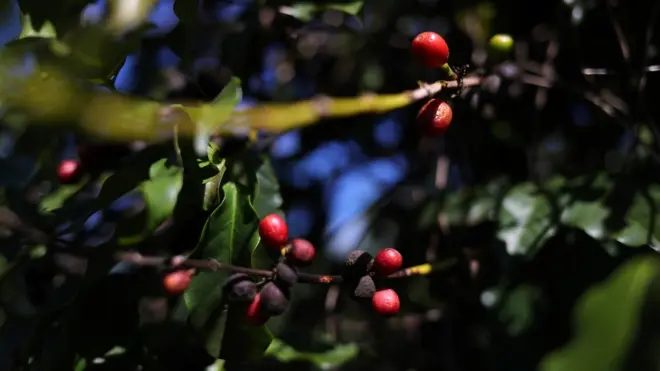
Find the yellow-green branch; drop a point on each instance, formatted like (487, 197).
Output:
(49, 95)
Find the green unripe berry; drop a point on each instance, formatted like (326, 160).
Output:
(500, 45)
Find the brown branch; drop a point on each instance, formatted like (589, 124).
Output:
(429, 90)
(135, 258)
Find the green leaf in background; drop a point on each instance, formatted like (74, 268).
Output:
(63, 14)
(47, 30)
(642, 219)
(306, 11)
(229, 236)
(473, 205)
(608, 320)
(56, 199)
(331, 359)
(161, 193)
(517, 308)
(526, 220)
(588, 216)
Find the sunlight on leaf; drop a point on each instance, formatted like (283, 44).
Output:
(607, 318)
(161, 193)
(587, 215)
(47, 30)
(305, 11)
(127, 15)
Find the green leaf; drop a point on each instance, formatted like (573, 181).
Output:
(608, 320)
(517, 308)
(306, 11)
(333, 358)
(56, 199)
(588, 216)
(222, 106)
(63, 14)
(471, 205)
(46, 30)
(161, 193)
(642, 219)
(267, 198)
(229, 236)
(526, 220)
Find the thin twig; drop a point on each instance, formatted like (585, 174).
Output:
(135, 258)
(621, 37)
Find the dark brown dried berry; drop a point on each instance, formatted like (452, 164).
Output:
(358, 263)
(239, 287)
(364, 289)
(274, 299)
(286, 274)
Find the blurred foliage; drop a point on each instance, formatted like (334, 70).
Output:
(544, 194)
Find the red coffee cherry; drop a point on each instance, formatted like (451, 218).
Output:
(178, 281)
(254, 314)
(69, 171)
(431, 49)
(273, 231)
(386, 302)
(387, 261)
(302, 252)
(435, 116)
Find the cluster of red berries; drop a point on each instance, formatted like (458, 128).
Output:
(362, 277)
(274, 296)
(432, 50)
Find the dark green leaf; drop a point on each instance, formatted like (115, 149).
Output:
(517, 309)
(126, 179)
(608, 320)
(526, 220)
(161, 193)
(186, 11)
(229, 236)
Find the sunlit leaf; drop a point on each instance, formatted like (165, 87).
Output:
(127, 15)
(306, 11)
(642, 219)
(607, 320)
(333, 358)
(47, 30)
(161, 193)
(587, 215)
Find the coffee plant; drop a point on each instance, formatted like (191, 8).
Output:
(148, 227)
